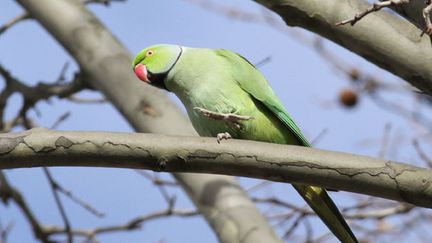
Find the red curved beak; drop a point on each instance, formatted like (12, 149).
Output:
(141, 72)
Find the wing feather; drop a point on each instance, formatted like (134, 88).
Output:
(254, 83)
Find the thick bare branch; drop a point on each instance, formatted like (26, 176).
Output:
(382, 38)
(282, 163)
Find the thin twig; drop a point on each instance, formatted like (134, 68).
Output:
(263, 62)
(62, 74)
(82, 203)
(319, 136)
(13, 21)
(80, 100)
(33, 94)
(238, 14)
(421, 153)
(258, 186)
(401, 208)
(293, 227)
(133, 224)
(160, 185)
(5, 231)
(104, 2)
(309, 231)
(60, 120)
(54, 187)
(7, 192)
(156, 180)
(377, 6)
(385, 140)
(275, 201)
(400, 110)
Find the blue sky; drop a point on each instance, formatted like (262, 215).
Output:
(305, 82)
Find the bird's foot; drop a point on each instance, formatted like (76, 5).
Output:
(232, 119)
(223, 135)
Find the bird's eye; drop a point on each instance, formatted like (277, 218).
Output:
(149, 53)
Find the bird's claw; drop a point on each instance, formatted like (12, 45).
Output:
(223, 135)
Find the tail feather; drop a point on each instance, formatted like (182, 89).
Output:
(321, 203)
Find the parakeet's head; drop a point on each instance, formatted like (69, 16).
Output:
(153, 63)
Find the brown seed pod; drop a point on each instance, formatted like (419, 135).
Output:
(348, 98)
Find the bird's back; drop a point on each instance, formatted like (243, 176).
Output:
(204, 79)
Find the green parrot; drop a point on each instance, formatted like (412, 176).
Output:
(226, 96)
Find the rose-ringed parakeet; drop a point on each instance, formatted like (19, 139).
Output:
(226, 96)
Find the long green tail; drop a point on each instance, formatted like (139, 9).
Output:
(321, 203)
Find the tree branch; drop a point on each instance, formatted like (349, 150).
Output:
(59, 204)
(387, 40)
(133, 224)
(281, 163)
(8, 192)
(13, 21)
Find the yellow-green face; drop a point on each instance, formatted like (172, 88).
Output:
(153, 63)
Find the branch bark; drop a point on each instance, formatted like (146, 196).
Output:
(107, 66)
(386, 40)
(281, 163)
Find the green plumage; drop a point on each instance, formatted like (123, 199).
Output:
(224, 82)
